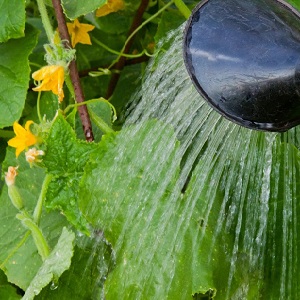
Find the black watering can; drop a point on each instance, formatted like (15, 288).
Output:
(244, 58)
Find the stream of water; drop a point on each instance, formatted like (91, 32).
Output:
(242, 183)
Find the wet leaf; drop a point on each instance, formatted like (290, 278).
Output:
(155, 257)
(65, 159)
(92, 260)
(58, 261)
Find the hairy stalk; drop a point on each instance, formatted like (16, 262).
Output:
(79, 97)
(38, 237)
(45, 19)
(39, 206)
(38, 104)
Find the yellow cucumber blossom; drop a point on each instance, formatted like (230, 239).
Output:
(110, 7)
(79, 33)
(10, 175)
(32, 155)
(23, 139)
(52, 78)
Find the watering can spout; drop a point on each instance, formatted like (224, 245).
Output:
(243, 56)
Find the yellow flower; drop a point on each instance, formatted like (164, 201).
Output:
(79, 33)
(23, 139)
(10, 175)
(109, 7)
(53, 78)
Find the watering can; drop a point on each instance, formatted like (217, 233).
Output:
(243, 57)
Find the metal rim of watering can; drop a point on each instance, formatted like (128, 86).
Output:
(281, 127)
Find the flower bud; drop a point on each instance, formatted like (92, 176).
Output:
(32, 155)
(13, 191)
(10, 175)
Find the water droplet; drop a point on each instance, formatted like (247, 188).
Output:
(53, 286)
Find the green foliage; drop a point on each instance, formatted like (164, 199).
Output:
(49, 105)
(18, 256)
(84, 279)
(65, 160)
(12, 19)
(280, 236)
(55, 264)
(128, 210)
(14, 74)
(295, 3)
(97, 109)
(75, 8)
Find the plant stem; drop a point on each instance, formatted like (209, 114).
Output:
(129, 62)
(39, 206)
(182, 8)
(38, 237)
(79, 97)
(38, 107)
(45, 19)
(119, 53)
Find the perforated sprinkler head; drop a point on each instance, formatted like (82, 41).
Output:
(243, 56)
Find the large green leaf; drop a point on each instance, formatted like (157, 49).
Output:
(58, 261)
(92, 260)
(12, 19)
(281, 265)
(126, 192)
(75, 8)
(19, 258)
(14, 75)
(174, 246)
(65, 159)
